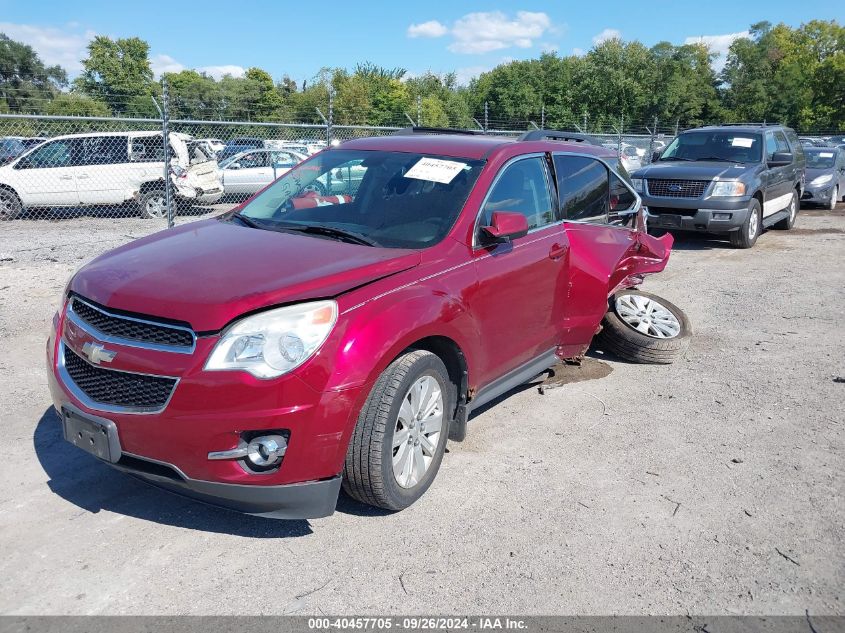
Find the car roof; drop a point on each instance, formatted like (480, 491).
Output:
(470, 146)
(742, 128)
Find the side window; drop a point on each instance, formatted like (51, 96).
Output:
(283, 159)
(61, 153)
(146, 149)
(254, 159)
(782, 145)
(771, 145)
(522, 188)
(104, 150)
(622, 200)
(583, 186)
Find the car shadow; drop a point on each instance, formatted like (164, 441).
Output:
(693, 241)
(92, 485)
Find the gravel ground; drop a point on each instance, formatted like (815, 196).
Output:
(714, 485)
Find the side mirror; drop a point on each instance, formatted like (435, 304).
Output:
(780, 159)
(233, 166)
(655, 156)
(506, 226)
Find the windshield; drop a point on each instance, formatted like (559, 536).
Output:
(724, 145)
(820, 160)
(387, 199)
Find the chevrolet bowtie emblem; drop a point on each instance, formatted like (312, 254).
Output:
(97, 354)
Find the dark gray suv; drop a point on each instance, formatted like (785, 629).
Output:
(733, 179)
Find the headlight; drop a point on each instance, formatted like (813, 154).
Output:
(822, 179)
(728, 188)
(638, 184)
(275, 342)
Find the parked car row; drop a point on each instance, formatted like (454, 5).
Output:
(737, 180)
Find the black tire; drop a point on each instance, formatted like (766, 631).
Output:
(10, 205)
(622, 339)
(368, 470)
(789, 221)
(743, 237)
(145, 204)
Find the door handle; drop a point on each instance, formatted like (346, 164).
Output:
(65, 177)
(557, 251)
(80, 176)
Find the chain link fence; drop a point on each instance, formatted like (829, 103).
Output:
(60, 167)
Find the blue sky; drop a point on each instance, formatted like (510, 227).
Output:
(297, 38)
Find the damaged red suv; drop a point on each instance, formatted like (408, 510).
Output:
(339, 326)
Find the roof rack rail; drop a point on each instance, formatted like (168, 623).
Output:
(751, 124)
(558, 135)
(407, 131)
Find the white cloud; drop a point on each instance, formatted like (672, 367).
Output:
(164, 64)
(66, 46)
(548, 47)
(607, 34)
(477, 33)
(578, 52)
(219, 71)
(718, 44)
(465, 75)
(432, 28)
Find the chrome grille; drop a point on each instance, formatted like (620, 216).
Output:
(676, 188)
(132, 328)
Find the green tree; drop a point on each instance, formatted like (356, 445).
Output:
(72, 104)
(26, 85)
(116, 71)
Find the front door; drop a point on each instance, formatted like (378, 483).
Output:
(779, 180)
(47, 176)
(521, 290)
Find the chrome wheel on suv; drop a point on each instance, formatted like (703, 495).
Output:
(417, 431)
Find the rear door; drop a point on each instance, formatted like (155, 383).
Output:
(600, 222)
(47, 175)
(521, 284)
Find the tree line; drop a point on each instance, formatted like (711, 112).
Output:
(778, 73)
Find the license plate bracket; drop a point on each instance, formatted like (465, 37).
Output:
(94, 435)
(667, 219)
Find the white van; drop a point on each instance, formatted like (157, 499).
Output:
(107, 168)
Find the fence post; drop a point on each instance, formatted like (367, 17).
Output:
(330, 119)
(486, 120)
(419, 110)
(677, 123)
(651, 141)
(584, 127)
(543, 117)
(619, 144)
(165, 130)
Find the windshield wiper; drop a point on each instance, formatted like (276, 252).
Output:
(248, 221)
(719, 159)
(674, 158)
(331, 231)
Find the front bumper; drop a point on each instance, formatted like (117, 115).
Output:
(209, 411)
(818, 195)
(712, 215)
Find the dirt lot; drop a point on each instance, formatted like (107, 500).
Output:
(714, 485)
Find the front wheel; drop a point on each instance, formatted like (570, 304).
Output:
(792, 212)
(747, 234)
(10, 205)
(400, 437)
(644, 328)
(834, 198)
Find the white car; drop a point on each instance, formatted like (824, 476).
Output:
(215, 144)
(250, 171)
(107, 168)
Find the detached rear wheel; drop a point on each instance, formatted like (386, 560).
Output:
(644, 328)
(399, 440)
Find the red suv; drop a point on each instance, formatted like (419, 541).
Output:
(339, 326)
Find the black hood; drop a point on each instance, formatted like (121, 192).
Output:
(698, 170)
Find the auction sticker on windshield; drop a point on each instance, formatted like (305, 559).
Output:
(742, 142)
(435, 170)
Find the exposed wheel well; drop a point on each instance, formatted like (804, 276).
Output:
(10, 189)
(759, 196)
(452, 357)
(153, 185)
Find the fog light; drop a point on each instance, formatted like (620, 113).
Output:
(722, 216)
(266, 450)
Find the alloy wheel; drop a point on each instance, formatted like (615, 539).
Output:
(417, 431)
(156, 207)
(647, 316)
(753, 223)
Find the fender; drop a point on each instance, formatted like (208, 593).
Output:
(649, 256)
(377, 331)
